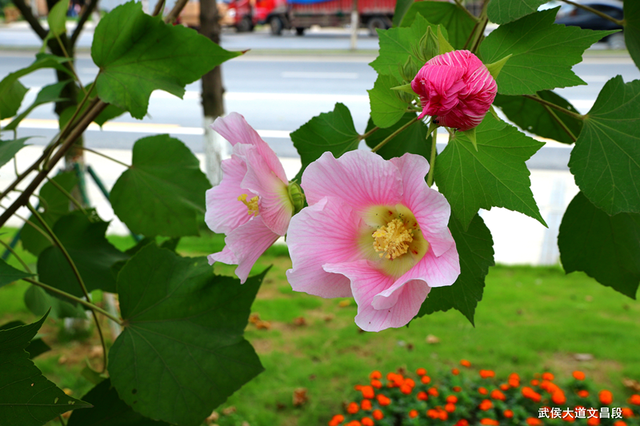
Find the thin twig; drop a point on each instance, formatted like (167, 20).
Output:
(158, 8)
(13, 252)
(394, 134)
(177, 8)
(88, 10)
(69, 63)
(66, 194)
(33, 225)
(369, 133)
(84, 148)
(597, 12)
(433, 130)
(560, 122)
(25, 10)
(554, 106)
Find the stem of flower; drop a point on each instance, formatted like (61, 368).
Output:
(459, 3)
(128, 166)
(33, 225)
(71, 66)
(66, 194)
(394, 134)
(560, 122)
(556, 107)
(433, 130)
(369, 133)
(597, 12)
(479, 28)
(13, 252)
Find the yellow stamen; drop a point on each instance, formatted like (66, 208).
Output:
(252, 204)
(392, 240)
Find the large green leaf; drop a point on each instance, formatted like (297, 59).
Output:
(9, 274)
(36, 347)
(108, 410)
(397, 45)
(330, 131)
(632, 29)
(413, 139)
(535, 118)
(84, 239)
(606, 158)
(606, 247)
(493, 176)
(387, 107)
(10, 148)
(163, 191)
(55, 204)
(504, 11)
(458, 23)
(543, 53)
(183, 341)
(39, 303)
(475, 248)
(27, 398)
(47, 94)
(138, 53)
(11, 96)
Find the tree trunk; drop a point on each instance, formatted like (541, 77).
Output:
(215, 147)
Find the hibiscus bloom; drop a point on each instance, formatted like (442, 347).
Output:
(251, 205)
(373, 230)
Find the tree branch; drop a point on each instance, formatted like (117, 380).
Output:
(86, 13)
(25, 10)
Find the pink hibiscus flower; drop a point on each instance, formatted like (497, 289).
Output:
(373, 230)
(252, 204)
(457, 88)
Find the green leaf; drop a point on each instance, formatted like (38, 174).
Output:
(47, 94)
(413, 139)
(138, 53)
(533, 117)
(27, 398)
(543, 53)
(183, 341)
(330, 131)
(55, 204)
(493, 176)
(402, 6)
(9, 274)
(84, 239)
(8, 149)
(443, 44)
(606, 158)
(504, 11)
(39, 303)
(606, 247)
(163, 191)
(631, 11)
(387, 107)
(496, 67)
(36, 347)
(57, 17)
(108, 409)
(475, 248)
(454, 18)
(11, 96)
(399, 44)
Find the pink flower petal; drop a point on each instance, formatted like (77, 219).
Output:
(360, 178)
(321, 233)
(367, 282)
(224, 211)
(244, 245)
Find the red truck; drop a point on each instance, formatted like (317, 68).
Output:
(302, 14)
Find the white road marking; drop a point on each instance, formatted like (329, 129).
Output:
(321, 75)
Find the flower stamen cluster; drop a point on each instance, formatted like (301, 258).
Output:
(392, 240)
(252, 204)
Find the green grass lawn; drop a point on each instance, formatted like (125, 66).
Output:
(530, 320)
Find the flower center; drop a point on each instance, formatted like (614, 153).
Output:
(252, 204)
(392, 240)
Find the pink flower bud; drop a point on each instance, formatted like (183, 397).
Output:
(457, 88)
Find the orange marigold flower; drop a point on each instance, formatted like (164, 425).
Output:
(527, 392)
(366, 404)
(375, 375)
(485, 374)
(413, 414)
(462, 422)
(569, 418)
(635, 399)
(465, 363)
(354, 423)
(409, 382)
(422, 396)
(627, 412)
(353, 408)
(483, 391)
(496, 394)
(578, 375)
(456, 389)
(367, 392)
(336, 420)
(485, 405)
(455, 371)
(433, 391)
(504, 387)
(357, 387)
(431, 413)
(443, 415)
(583, 393)
(605, 396)
(450, 408)
(620, 423)
(425, 379)
(532, 421)
(514, 380)
(366, 421)
(593, 421)
(421, 371)
(558, 397)
(377, 414)
(383, 400)
(547, 376)
(508, 414)
(490, 422)
(452, 399)
(405, 389)
(535, 382)
(376, 383)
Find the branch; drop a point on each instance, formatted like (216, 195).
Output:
(560, 123)
(83, 19)
(597, 12)
(32, 20)
(177, 8)
(556, 107)
(394, 134)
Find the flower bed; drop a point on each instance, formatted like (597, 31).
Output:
(467, 398)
